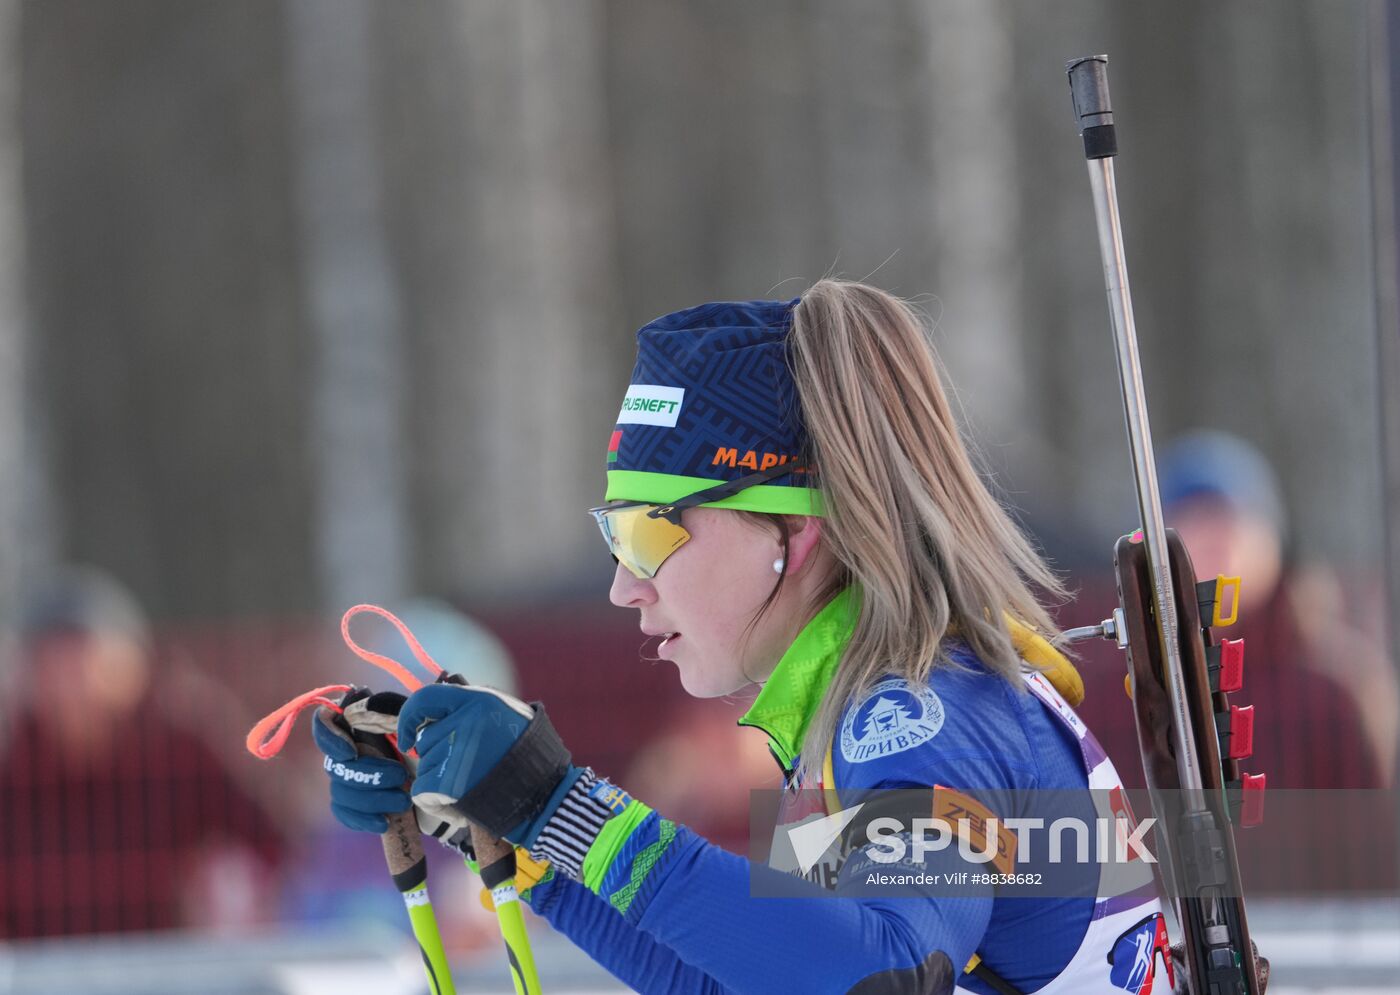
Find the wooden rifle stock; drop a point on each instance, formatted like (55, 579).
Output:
(1153, 714)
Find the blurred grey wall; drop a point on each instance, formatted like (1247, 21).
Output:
(334, 300)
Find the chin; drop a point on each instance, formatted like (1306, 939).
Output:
(698, 683)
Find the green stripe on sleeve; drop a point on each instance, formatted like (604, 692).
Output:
(609, 842)
(641, 867)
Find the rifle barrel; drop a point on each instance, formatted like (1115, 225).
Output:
(1089, 86)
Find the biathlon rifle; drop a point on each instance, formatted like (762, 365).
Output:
(1179, 677)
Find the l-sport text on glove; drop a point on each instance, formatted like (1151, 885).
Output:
(336, 769)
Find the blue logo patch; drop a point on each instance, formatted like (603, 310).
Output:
(610, 795)
(891, 718)
(1132, 960)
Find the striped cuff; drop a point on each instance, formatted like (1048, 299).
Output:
(575, 824)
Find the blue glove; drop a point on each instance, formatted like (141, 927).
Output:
(363, 789)
(487, 757)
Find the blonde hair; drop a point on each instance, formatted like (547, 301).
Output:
(908, 518)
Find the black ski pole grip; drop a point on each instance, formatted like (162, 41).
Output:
(1093, 114)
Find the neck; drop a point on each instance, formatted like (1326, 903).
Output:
(786, 704)
(803, 595)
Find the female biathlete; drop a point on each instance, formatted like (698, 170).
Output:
(790, 505)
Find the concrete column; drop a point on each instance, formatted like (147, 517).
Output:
(357, 390)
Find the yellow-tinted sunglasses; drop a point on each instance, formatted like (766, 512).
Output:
(641, 536)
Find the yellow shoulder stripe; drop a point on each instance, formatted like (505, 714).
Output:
(829, 795)
(1037, 651)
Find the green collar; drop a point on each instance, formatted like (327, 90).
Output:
(794, 691)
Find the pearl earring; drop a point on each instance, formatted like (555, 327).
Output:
(778, 565)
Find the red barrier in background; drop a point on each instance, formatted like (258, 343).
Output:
(176, 825)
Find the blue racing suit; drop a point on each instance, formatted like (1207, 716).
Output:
(666, 911)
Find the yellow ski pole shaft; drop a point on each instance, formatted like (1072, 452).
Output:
(403, 852)
(496, 860)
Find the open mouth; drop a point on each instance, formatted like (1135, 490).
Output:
(668, 639)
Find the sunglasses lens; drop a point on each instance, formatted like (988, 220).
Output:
(640, 542)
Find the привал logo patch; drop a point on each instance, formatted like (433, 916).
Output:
(891, 718)
(651, 404)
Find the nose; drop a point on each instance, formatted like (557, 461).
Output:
(628, 591)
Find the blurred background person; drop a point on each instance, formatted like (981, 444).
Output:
(117, 815)
(1323, 689)
(1315, 665)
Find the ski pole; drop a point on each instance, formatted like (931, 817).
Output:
(403, 842)
(496, 860)
(408, 867)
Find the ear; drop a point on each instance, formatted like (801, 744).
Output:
(804, 536)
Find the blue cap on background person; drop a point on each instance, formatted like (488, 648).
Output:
(1220, 465)
(83, 600)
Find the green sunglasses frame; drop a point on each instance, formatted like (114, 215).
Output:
(672, 511)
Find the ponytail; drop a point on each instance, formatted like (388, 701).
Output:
(908, 519)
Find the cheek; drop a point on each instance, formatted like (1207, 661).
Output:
(713, 575)
(709, 591)
(734, 651)
(723, 599)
